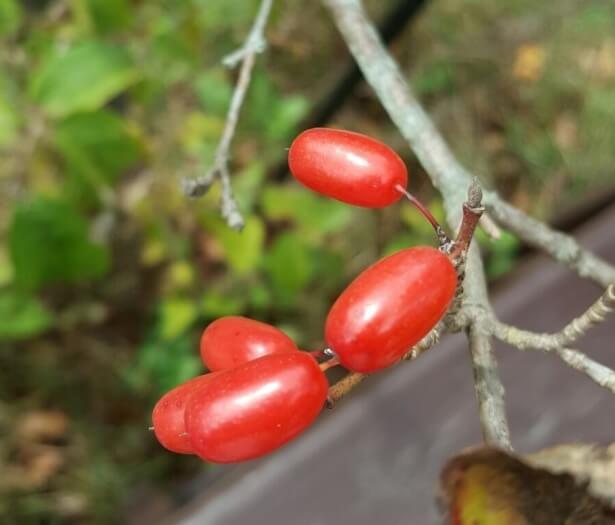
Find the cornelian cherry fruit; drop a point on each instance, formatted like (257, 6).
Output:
(168, 415)
(347, 166)
(390, 307)
(251, 410)
(234, 340)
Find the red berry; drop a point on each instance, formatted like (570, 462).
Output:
(168, 415)
(232, 341)
(347, 166)
(390, 307)
(255, 408)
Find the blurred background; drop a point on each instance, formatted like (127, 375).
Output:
(108, 274)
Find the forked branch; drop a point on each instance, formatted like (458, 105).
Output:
(246, 55)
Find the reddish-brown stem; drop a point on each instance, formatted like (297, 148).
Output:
(442, 237)
(317, 354)
(472, 212)
(343, 386)
(334, 361)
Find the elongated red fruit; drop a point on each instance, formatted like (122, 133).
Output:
(390, 307)
(251, 410)
(168, 415)
(231, 341)
(347, 166)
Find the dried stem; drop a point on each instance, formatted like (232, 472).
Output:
(345, 385)
(246, 55)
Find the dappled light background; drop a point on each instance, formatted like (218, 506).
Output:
(108, 274)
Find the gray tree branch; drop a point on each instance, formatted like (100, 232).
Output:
(246, 55)
(384, 76)
(526, 340)
(561, 247)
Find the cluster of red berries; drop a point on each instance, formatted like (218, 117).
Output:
(262, 391)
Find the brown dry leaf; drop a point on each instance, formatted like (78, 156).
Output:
(35, 469)
(487, 486)
(565, 131)
(41, 426)
(529, 62)
(44, 465)
(588, 463)
(599, 63)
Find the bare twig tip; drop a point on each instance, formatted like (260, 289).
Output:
(196, 187)
(475, 194)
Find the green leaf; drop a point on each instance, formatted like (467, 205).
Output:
(21, 316)
(271, 113)
(166, 364)
(502, 254)
(311, 211)
(436, 77)
(328, 268)
(97, 147)
(214, 91)
(242, 250)
(83, 78)
(289, 266)
(401, 241)
(176, 316)
(10, 17)
(110, 15)
(48, 243)
(216, 303)
(286, 116)
(9, 121)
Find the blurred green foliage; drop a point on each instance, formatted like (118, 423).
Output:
(109, 274)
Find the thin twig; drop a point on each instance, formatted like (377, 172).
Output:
(594, 315)
(526, 340)
(561, 247)
(472, 212)
(246, 55)
(346, 384)
(384, 76)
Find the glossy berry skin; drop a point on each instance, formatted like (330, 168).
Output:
(389, 308)
(255, 408)
(233, 340)
(168, 415)
(350, 167)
